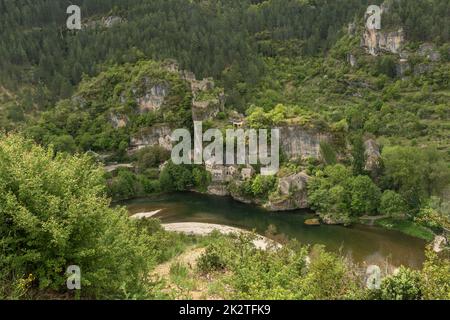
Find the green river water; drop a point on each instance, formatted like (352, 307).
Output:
(364, 244)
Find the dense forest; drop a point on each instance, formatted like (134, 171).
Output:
(74, 102)
(223, 39)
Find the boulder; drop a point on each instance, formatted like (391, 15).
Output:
(217, 189)
(351, 59)
(439, 243)
(292, 193)
(312, 222)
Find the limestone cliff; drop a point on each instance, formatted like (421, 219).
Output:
(154, 136)
(291, 193)
(372, 155)
(377, 41)
(297, 142)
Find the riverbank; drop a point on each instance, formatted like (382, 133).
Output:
(362, 243)
(203, 229)
(404, 226)
(407, 227)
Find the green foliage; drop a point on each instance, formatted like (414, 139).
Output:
(175, 177)
(387, 65)
(365, 196)
(151, 157)
(435, 278)
(415, 173)
(407, 227)
(336, 192)
(211, 260)
(393, 204)
(54, 213)
(262, 186)
(358, 155)
(435, 214)
(201, 178)
(124, 186)
(286, 273)
(404, 285)
(328, 154)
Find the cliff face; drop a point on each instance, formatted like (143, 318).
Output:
(376, 41)
(297, 142)
(291, 194)
(153, 98)
(207, 100)
(373, 155)
(153, 136)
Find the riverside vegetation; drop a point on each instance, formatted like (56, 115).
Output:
(371, 118)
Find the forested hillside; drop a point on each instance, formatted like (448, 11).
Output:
(224, 39)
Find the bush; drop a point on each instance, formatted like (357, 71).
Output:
(53, 214)
(404, 285)
(393, 204)
(211, 260)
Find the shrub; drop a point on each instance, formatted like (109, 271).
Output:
(403, 285)
(53, 214)
(211, 260)
(393, 204)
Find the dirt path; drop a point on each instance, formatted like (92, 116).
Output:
(188, 258)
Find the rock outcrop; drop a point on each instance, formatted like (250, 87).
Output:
(439, 244)
(112, 21)
(376, 41)
(422, 69)
(207, 100)
(351, 59)
(218, 189)
(297, 142)
(153, 136)
(153, 98)
(429, 51)
(373, 155)
(118, 120)
(291, 193)
(403, 68)
(207, 109)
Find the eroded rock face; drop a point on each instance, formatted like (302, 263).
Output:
(351, 59)
(153, 136)
(373, 155)
(218, 189)
(111, 21)
(376, 41)
(429, 51)
(207, 102)
(153, 99)
(422, 69)
(296, 142)
(402, 68)
(118, 120)
(439, 244)
(208, 109)
(292, 193)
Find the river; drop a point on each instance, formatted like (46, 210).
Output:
(364, 244)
